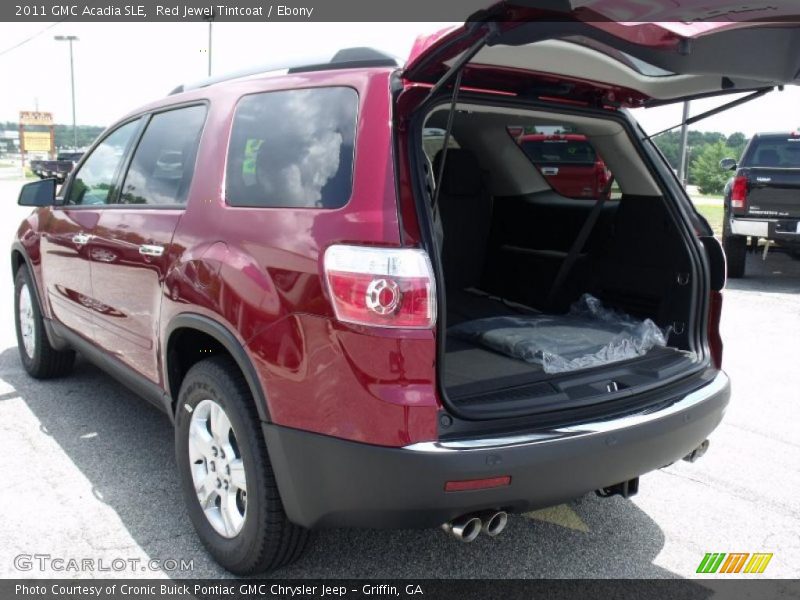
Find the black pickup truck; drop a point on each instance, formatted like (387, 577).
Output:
(58, 169)
(762, 200)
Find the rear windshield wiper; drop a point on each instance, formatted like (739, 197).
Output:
(717, 110)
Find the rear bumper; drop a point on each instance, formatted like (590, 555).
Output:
(781, 230)
(329, 482)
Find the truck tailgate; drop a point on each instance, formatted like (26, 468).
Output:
(774, 192)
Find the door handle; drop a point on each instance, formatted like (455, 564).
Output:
(79, 239)
(151, 250)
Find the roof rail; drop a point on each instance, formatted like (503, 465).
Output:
(347, 58)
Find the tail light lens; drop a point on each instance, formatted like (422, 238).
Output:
(602, 175)
(714, 338)
(739, 192)
(381, 287)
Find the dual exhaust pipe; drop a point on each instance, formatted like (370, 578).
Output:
(468, 527)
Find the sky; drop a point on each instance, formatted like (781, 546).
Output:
(119, 66)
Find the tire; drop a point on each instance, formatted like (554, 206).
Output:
(735, 247)
(257, 536)
(38, 357)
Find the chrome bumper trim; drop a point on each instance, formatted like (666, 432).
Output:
(719, 383)
(750, 227)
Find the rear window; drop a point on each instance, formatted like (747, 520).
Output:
(555, 150)
(775, 152)
(566, 159)
(293, 149)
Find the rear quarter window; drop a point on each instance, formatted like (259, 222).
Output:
(293, 149)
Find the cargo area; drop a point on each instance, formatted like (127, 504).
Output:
(554, 297)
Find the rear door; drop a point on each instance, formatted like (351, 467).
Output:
(70, 226)
(131, 246)
(589, 54)
(772, 163)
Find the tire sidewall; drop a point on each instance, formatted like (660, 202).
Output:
(228, 551)
(735, 247)
(30, 363)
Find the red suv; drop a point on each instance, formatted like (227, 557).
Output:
(351, 328)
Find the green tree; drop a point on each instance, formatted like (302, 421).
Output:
(705, 171)
(736, 142)
(669, 144)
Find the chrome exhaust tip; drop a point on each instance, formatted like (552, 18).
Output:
(465, 528)
(495, 523)
(698, 452)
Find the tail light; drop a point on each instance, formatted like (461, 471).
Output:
(602, 175)
(381, 287)
(739, 192)
(714, 338)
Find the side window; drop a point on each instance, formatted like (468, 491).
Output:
(566, 159)
(94, 181)
(433, 142)
(163, 163)
(293, 149)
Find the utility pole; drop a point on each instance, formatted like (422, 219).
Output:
(210, 25)
(70, 39)
(682, 163)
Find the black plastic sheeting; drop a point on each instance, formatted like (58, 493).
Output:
(589, 335)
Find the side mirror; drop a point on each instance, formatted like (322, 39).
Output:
(728, 164)
(38, 193)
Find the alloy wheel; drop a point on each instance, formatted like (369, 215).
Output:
(217, 468)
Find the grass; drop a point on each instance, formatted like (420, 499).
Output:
(713, 214)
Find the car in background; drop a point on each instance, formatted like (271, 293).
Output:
(568, 162)
(762, 200)
(58, 169)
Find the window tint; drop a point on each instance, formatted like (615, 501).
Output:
(94, 181)
(780, 153)
(293, 149)
(163, 163)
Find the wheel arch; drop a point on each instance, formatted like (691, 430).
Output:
(19, 258)
(227, 341)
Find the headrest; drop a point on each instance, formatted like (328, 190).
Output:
(462, 174)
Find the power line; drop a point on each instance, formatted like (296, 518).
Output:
(33, 37)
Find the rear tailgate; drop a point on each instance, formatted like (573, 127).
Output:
(774, 193)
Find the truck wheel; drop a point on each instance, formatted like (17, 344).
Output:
(735, 247)
(39, 358)
(225, 472)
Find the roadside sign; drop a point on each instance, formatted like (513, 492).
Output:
(37, 141)
(35, 117)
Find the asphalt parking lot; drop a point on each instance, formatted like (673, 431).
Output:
(89, 472)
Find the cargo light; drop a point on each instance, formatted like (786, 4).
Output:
(477, 484)
(381, 287)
